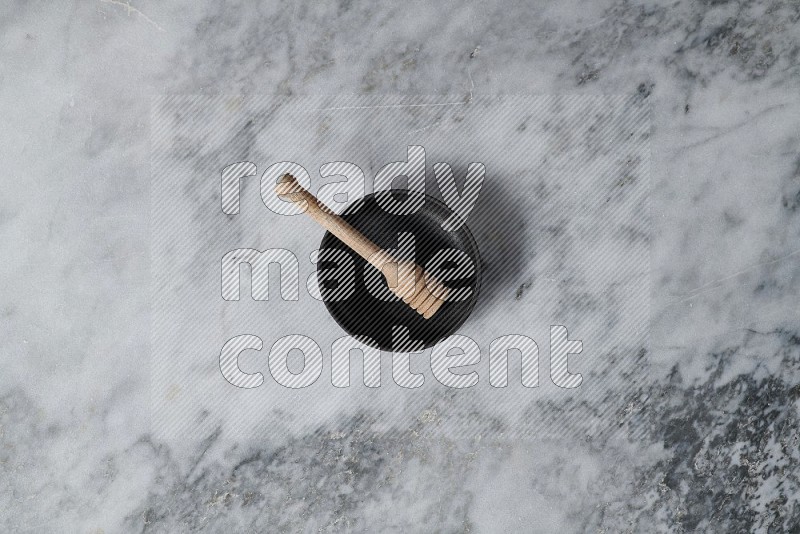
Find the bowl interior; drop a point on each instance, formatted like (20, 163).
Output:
(371, 319)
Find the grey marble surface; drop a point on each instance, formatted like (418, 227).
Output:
(710, 443)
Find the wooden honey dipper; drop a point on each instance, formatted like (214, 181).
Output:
(405, 278)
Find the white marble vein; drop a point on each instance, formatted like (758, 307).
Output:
(713, 440)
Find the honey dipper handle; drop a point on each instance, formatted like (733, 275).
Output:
(405, 278)
(289, 188)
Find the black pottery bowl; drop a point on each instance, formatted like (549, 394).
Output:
(371, 319)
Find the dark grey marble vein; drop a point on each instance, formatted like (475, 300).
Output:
(710, 441)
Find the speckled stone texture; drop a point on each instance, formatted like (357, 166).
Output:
(708, 443)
